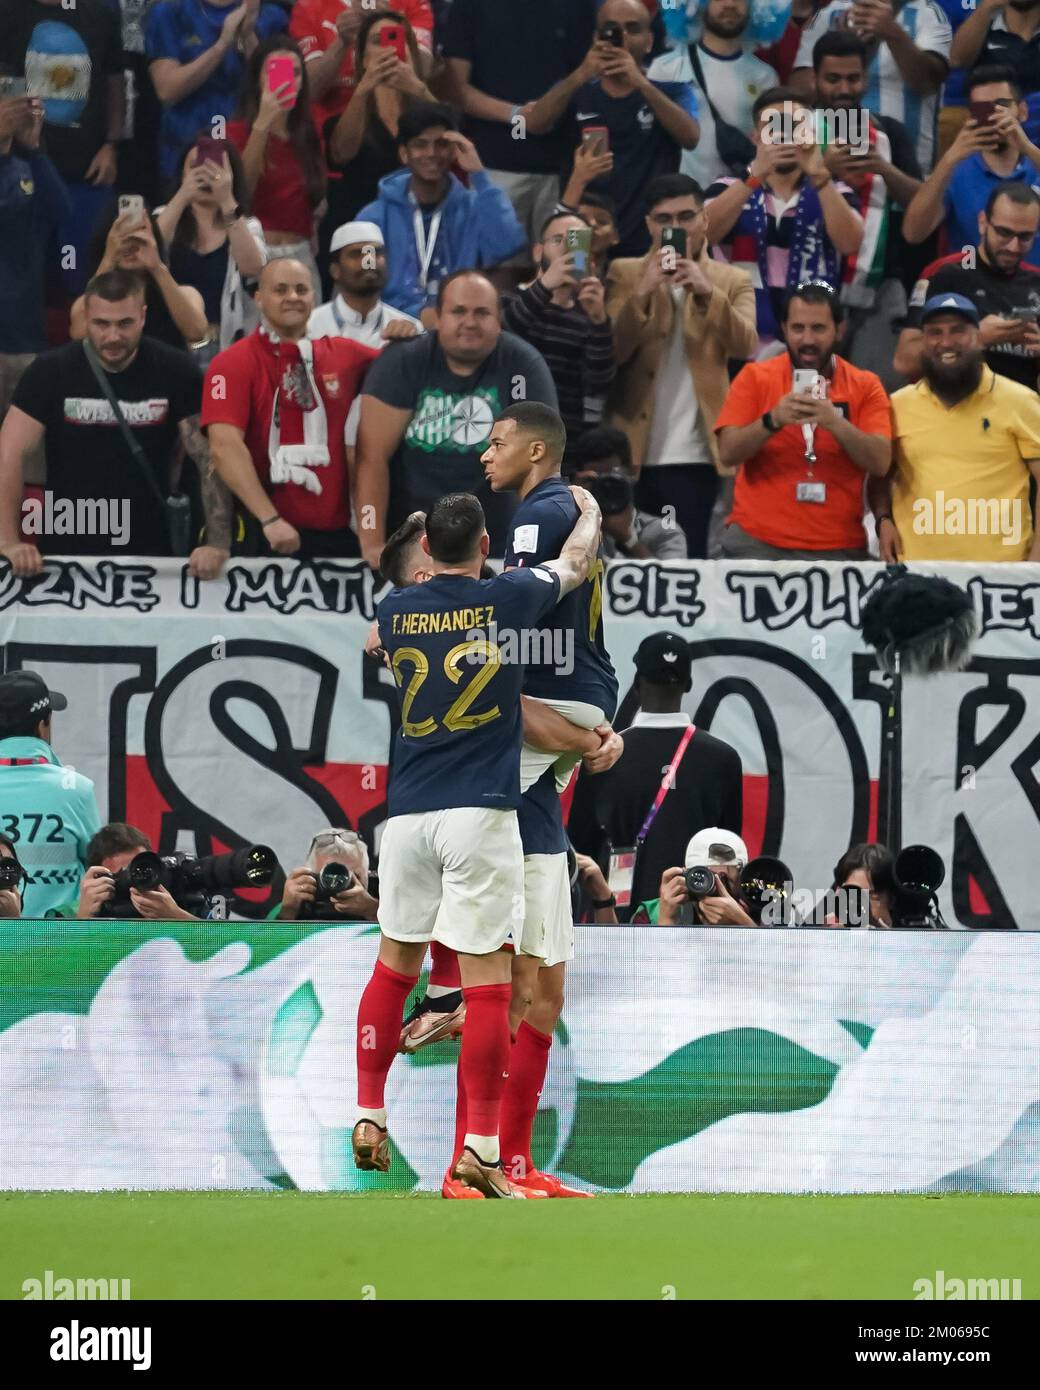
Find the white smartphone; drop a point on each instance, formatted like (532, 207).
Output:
(805, 381)
(131, 205)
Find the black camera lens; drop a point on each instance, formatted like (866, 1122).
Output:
(11, 873)
(700, 881)
(332, 879)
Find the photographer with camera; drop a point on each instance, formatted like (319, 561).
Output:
(333, 883)
(105, 887)
(12, 876)
(602, 462)
(706, 892)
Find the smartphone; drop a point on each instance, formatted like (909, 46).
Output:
(282, 69)
(612, 33)
(982, 111)
(579, 244)
(596, 138)
(805, 381)
(131, 205)
(206, 148)
(13, 87)
(1023, 314)
(392, 36)
(673, 239)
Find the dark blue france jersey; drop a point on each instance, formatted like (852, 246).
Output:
(571, 662)
(461, 728)
(540, 817)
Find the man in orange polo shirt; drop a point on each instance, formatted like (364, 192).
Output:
(803, 456)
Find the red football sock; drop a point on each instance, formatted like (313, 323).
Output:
(527, 1067)
(444, 966)
(379, 1031)
(461, 1117)
(484, 1062)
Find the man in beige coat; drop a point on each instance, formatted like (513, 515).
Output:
(678, 316)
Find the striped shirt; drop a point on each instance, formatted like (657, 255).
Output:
(578, 352)
(888, 92)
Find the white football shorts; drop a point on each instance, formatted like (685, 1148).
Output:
(533, 762)
(548, 930)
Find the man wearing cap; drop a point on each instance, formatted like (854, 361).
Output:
(966, 442)
(996, 279)
(705, 786)
(718, 850)
(357, 265)
(48, 811)
(275, 407)
(803, 430)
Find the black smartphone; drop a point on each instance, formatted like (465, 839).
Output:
(612, 33)
(674, 239)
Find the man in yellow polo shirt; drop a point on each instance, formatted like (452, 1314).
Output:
(966, 442)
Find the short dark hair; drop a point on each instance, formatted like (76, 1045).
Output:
(115, 838)
(8, 843)
(423, 115)
(541, 422)
(989, 74)
(454, 526)
(449, 280)
(838, 43)
(556, 216)
(777, 96)
(666, 186)
(599, 200)
(393, 563)
(1016, 192)
(877, 861)
(814, 292)
(603, 442)
(114, 285)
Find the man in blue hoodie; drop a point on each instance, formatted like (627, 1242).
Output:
(432, 224)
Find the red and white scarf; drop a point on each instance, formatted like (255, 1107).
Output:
(863, 270)
(297, 441)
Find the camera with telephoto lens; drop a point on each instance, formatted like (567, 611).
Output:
(613, 491)
(700, 882)
(332, 879)
(765, 888)
(191, 882)
(11, 874)
(918, 872)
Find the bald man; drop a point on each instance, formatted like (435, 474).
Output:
(275, 407)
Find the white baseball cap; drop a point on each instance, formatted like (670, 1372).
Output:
(353, 232)
(716, 848)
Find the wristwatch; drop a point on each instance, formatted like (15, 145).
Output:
(228, 219)
(607, 902)
(769, 424)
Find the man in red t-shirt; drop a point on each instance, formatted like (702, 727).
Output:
(275, 408)
(326, 31)
(803, 455)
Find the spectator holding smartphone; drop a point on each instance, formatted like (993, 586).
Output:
(997, 280)
(281, 153)
(214, 247)
(991, 148)
(1001, 33)
(131, 241)
(197, 52)
(361, 141)
(649, 119)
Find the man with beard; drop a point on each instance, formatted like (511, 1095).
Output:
(967, 441)
(357, 266)
(985, 153)
(787, 220)
(802, 454)
(1004, 290)
(726, 78)
(562, 314)
(1005, 32)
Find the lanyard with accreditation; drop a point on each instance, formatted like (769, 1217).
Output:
(425, 245)
(623, 861)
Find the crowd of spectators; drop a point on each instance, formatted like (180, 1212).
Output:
(269, 270)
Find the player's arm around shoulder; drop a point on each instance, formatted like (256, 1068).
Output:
(581, 546)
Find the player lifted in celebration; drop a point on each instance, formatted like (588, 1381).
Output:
(451, 861)
(571, 672)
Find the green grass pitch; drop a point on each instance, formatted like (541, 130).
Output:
(337, 1246)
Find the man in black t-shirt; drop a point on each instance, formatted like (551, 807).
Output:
(71, 56)
(996, 279)
(427, 409)
(609, 810)
(98, 499)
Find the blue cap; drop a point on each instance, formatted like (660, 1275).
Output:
(950, 304)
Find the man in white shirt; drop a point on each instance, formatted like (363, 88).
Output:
(911, 53)
(733, 77)
(357, 265)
